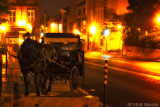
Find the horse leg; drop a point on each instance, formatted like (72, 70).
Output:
(50, 83)
(37, 80)
(44, 83)
(51, 80)
(25, 76)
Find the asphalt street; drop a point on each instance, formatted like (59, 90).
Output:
(131, 83)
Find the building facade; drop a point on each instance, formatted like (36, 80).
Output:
(100, 18)
(24, 16)
(77, 17)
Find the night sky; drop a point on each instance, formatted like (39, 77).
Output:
(53, 6)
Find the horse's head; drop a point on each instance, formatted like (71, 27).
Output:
(27, 48)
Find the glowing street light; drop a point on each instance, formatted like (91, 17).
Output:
(158, 19)
(76, 32)
(119, 26)
(93, 29)
(21, 22)
(52, 25)
(106, 32)
(2, 28)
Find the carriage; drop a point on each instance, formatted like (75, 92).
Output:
(59, 56)
(70, 57)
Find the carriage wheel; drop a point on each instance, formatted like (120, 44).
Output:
(74, 78)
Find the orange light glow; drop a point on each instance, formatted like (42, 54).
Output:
(40, 40)
(21, 22)
(119, 26)
(4, 58)
(152, 68)
(93, 29)
(5, 27)
(158, 19)
(4, 79)
(76, 32)
(21, 41)
(29, 26)
(42, 27)
(89, 96)
(52, 25)
(60, 28)
(3, 71)
(2, 28)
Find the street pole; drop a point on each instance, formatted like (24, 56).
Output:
(105, 83)
(0, 73)
(6, 63)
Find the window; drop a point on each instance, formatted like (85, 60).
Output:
(31, 15)
(12, 16)
(79, 11)
(84, 10)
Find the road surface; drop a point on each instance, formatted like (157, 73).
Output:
(130, 82)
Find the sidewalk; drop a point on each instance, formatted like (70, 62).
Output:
(105, 56)
(13, 92)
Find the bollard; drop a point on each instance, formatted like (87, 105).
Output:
(105, 83)
(0, 72)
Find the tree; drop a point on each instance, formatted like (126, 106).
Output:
(143, 12)
(3, 10)
(139, 20)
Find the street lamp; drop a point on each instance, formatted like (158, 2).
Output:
(93, 31)
(76, 32)
(2, 28)
(158, 19)
(21, 22)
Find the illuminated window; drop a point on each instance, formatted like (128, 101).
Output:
(12, 16)
(31, 15)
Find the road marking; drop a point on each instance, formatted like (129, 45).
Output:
(94, 64)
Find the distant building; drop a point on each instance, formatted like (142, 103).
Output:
(100, 14)
(90, 18)
(77, 16)
(24, 17)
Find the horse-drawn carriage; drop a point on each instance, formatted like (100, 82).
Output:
(60, 56)
(70, 56)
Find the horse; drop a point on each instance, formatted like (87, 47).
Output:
(34, 58)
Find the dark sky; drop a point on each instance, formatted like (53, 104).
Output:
(53, 6)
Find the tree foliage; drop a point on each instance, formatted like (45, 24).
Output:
(139, 20)
(142, 14)
(3, 10)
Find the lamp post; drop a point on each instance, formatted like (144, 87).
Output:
(106, 34)
(93, 31)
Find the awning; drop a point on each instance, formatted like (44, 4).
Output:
(12, 35)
